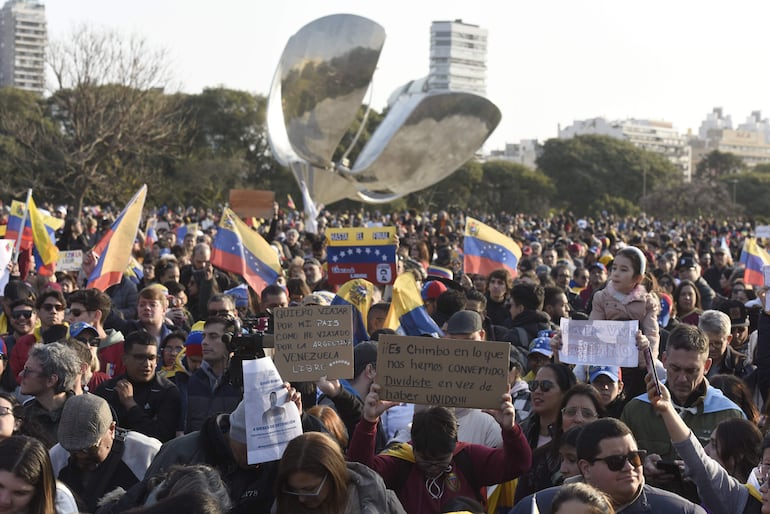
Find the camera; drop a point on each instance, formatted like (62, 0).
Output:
(248, 340)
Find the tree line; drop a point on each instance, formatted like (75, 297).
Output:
(109, 126)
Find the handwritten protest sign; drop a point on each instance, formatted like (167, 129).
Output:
(447, 372)
(271, 421)
(360, 252)
(248, 203)
(71, 260)
(599, 342)
(313, 342)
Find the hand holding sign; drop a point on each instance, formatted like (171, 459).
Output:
(506, 416)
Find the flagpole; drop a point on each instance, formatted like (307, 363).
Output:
(15, 255)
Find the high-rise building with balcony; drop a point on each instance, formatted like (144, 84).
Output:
(23, 41)
(458, 57)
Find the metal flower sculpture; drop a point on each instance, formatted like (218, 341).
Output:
(319, 85)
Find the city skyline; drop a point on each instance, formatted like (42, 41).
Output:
(549, 63)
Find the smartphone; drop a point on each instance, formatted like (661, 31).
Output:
(669, 466)
(651, 368)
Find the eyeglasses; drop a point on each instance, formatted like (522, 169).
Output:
(173, 349)
(306, 493)
(222, 313)
(3, 357)
(50, 307)
(141, 357)
(19, 314)
(26, 371)
(6, 411)
(585, 413)
(90, 451)
(78, 312)
(544, 385)
(618, 462)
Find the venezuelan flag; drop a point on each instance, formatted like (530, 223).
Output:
(240, 250)
(754, 257)
(358, 293)
(134, 271)
(486, 249)
(438, 271)
(17, 220)
(114, 248)
(407, 314)
(151, 235)
(44, 239)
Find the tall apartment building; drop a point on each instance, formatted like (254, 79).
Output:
(23, 41)
(750, 141)
(458, 57)
(656, 136)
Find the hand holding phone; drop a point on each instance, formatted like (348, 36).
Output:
(651, 368)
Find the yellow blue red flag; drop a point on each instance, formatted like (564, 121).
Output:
(114, 248)
(44, 239)
(754, 257)
(485, 249)
(240, 250)
(407, 314)
(358, 293)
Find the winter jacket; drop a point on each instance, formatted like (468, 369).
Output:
(609, 304)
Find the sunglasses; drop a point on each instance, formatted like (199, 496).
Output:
(50, 307)
(77, 312)
(223, 313)
(21, 314)
(544, 385)
(618, 462)
(306, 493)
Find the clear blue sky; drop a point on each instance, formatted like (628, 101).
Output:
(549, 62)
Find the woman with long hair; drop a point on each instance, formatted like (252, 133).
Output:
(687, 303)
(27, 483)
(314, 477)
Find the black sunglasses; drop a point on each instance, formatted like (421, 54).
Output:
(19, 314)
(544, 385)
(618, 462)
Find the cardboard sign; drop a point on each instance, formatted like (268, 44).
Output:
(762, 231)
(362, 252)
(71, 260)
(271, 420)
(599, 342)
(313, 342)
(448, 372)
(248, 203)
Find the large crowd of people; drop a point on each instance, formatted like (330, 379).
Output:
(125, 400)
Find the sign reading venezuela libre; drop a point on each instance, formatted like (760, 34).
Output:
(368, 253)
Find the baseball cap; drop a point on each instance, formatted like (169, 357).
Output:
(610, 371)
(81, 327)
(364, 353)
(84, 420)
(464, 322)
(312, 260)
(686, 261)
(432, 290)
(315, 299)
(541, 345)
(597, 265)
(739, 316)
(193, 345)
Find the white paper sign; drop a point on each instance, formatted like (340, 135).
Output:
(271, 421)
(70, 260)
(599, 342)
(762, 231)
(6, 252)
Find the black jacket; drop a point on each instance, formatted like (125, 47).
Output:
(158, 410)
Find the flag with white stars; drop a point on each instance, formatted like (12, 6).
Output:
(361, 252)
(239, 249)
(485, 249)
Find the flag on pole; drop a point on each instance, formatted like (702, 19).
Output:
(486, 249)
(358, 293)
(407, 314)
(44, 239)
(240, 250)
(753, 257)
(17, 223)
(114, 248)
(290, 202)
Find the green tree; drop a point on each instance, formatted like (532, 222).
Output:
(695, 198)
(718, 164)
(585, 169)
